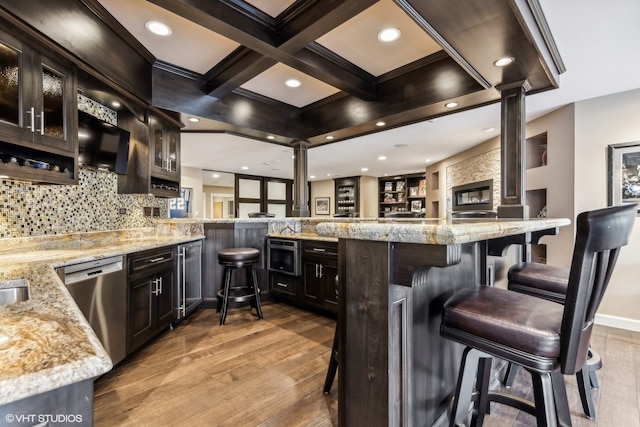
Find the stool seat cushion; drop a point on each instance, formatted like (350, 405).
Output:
(542, 280)
(240, 255)
(518, 321)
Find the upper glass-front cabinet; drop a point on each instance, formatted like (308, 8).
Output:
(165, 150)
(37, 98)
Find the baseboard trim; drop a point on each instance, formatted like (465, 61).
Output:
(618, 322)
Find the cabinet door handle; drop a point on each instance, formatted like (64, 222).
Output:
(316, 270)
(318, 250)
(321, 271)
(155, 287)
(282, 285)
(160, 291)
(156, 259)
(42, 123)
(33, 119)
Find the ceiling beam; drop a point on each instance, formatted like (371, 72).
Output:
(279, 45)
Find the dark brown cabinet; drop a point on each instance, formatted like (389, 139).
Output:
(38, 115)
(164, 161)
(154, 155)
(320, 268)
(151, 307)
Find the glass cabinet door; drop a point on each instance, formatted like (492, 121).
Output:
(173, 151)
(16, 96)
(52, 117)
(158, 140)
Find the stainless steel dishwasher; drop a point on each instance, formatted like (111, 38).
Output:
(100, 289)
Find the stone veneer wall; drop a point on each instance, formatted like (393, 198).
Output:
(28, 210)
(479, 168)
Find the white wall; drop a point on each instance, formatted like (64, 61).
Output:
(192, 178)
(324, 188)
(602, 121)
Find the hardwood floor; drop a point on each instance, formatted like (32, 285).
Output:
(271, 373)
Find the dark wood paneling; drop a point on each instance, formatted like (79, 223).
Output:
(230, 235)
(363, 380)
(395, 368)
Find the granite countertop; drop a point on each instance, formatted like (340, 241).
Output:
(434, 231)
(45, 341)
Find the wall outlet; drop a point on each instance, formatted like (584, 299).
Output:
(122, 211)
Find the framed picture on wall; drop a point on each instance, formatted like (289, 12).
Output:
(322, 205)
(624, 173)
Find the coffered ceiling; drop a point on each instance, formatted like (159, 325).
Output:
(226, 62)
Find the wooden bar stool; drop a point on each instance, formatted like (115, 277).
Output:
(232, 259)
(545, 338)
(550, 283)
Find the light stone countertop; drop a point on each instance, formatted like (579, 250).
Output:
(45, 341)
(434, 231)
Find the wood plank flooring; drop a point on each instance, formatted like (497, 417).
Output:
(271, 373)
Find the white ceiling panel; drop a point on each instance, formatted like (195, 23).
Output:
(357, 39)
(270, 83)
(272, 8)
(190, 46)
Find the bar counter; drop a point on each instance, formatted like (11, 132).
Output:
(395, 369)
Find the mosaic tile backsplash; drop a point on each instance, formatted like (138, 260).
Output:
(28, 210)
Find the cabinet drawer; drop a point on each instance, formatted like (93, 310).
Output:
(146, 261)
(321, 248)
(284, 284)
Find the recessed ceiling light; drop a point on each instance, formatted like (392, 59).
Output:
(193, 119)
(380, 124)
(427, 160)
(312, 177)
(451, 104)
(490, 129)
(382, 157)
(503, 62)
(244, 168)
(401, 145)
(266, 163)
(215, 175)
(271, 137)
(387, 35)
(158, 28)
(433, 120)
(293, 83)
(115, 104)
(328, 174)
(329, 136)
(364, 169)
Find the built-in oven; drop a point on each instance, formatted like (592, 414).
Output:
(283, 256)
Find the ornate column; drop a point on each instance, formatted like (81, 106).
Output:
(300, 182)
(513, 152)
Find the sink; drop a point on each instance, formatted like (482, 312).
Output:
(12, 291)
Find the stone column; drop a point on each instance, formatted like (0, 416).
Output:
(300, 181)
(512, 151)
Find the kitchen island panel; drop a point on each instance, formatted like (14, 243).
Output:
(395, 368)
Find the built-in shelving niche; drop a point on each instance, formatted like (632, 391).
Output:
(537, 202)
(536, 147)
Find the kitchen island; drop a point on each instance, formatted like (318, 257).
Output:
(395, 369)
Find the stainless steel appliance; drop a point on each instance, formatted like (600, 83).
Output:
(283, 255)
(100, 289)
(189, 278)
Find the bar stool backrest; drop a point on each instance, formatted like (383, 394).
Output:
(599, 236)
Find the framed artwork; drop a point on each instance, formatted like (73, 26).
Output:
(322, 205)
(181, 206)
(624, 173)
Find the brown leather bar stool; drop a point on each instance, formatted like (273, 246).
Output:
(232, 259)
(550, 283)
(333, 361)
(545, 338)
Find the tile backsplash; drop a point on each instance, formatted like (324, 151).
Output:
(28, 210)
